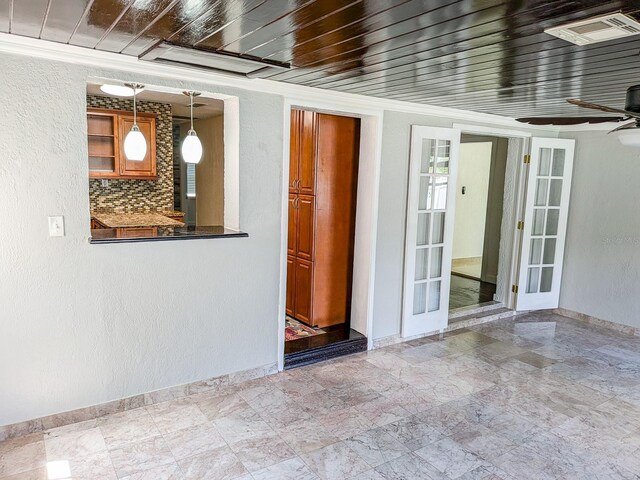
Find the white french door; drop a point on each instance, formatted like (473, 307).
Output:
(429, 235)
(545, 223)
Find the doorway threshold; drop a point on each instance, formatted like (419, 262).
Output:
(335, 342)
(476, 314)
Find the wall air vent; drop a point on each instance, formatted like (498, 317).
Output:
(245, 65)
(599, 29)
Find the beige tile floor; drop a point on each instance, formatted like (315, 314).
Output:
(535, 397)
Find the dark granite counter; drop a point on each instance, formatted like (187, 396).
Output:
(152, 234)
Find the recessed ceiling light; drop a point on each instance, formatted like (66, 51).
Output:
(598, 29)
(119, 90)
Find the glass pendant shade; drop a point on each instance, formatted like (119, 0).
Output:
(192, 148)
(135, 145)
(630, 138)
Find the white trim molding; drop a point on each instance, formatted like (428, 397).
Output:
(17, 45)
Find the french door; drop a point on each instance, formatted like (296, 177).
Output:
(429, 234)
(545, 223)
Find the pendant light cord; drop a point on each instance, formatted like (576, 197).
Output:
(134, 107)
(191, 95)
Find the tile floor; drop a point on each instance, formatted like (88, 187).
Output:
(535, 397)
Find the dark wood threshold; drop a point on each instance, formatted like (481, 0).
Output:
(337, 342)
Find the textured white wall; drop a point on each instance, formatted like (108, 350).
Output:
(601, 275)
(474, 166)
(84, 324)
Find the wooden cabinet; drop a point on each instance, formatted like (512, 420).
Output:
(107, 130)
(322, 207)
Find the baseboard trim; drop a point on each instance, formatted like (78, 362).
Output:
(583, 317)
(136, 401)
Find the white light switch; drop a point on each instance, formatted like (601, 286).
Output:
(56, 226)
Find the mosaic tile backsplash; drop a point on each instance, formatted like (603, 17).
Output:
(138, 195)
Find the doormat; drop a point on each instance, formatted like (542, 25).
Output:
(295, 330)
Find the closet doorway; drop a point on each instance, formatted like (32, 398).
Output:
(323, 182)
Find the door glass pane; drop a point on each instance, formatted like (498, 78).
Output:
(538, 222)
(434, 296)
(427, 154)
(542, 184)
(438, 228)
(545, 162)
(535, 255)
(436, 262)
(422, 257)
(553, 215)
(423, 228)
(419, 298)
(532, 280)
(547, 279)
(440, 193)
(557, 170)
(442, 160)
(424, 202)
(555, 192)
(549, 251)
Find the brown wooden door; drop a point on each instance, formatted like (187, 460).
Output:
(147, 167)
(303, 291)
(305, 213)
(307, 161)
(292, 241)
(294, 151)
(291, 285)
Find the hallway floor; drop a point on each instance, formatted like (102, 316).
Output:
(533, 397)
(468, 291)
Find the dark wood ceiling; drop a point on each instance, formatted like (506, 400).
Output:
(482, 55)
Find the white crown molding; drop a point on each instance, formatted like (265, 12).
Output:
(18, 45)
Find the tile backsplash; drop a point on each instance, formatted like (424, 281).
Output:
(138, 195)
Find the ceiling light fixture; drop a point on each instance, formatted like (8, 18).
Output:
(135, 145)
(118, 90)
(191, 147)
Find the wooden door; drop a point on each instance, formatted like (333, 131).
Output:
(294, 151)
(291, 285)
(292, 241)
(307, 156)
(303, 291)
(305, 213)
(138, 169)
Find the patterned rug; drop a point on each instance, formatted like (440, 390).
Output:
(295, 330)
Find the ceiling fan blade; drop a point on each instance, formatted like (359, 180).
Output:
(602, 108)
(626, 126)
(568, 120)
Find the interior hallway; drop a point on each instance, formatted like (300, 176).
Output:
(546, 392)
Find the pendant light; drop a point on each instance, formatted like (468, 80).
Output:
(191, 147)
(135, 146)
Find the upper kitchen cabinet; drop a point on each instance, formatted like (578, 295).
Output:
(302, 170)
(107, 130)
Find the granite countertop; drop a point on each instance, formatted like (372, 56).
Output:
(149, 219)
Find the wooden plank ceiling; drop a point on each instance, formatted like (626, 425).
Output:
(483, 55)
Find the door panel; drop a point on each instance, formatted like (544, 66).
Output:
(146, 167)
(294, 151)
(292, 240)
(305, 211)
(429, 238)
(303, 290)
(545, 223)
(291, 285)
(307, 162)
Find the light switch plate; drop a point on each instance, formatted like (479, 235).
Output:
(56, 226)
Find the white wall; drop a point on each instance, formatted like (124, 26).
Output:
(474, 166)
(84, 324)
(601, 274)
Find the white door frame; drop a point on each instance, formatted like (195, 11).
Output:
(513, 240)
(366, 213)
